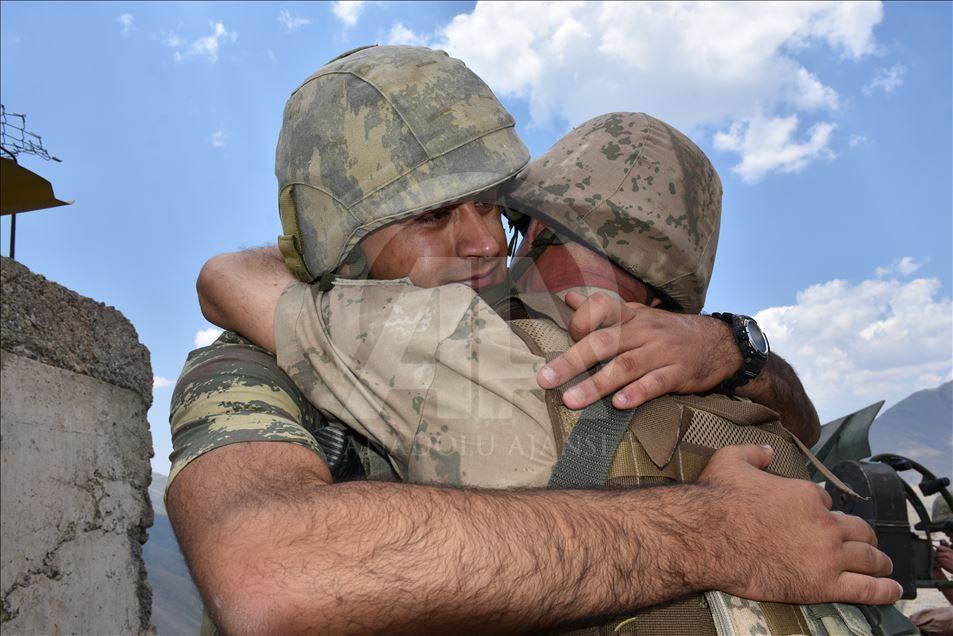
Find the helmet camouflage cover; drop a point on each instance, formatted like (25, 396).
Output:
(378, 135)
(941, 510)
(635, 190)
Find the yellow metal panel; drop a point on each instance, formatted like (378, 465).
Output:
(22, 190)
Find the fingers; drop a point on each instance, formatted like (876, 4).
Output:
(629, 361)
(825, 497)
(579, 357)
(866, 590)
(574, 299)
(623, 372)
(856, 529)
(757, 456)
(863, 558)
(613, 376)
(598, 311)
(648, 387)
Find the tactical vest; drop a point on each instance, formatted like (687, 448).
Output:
(669, 440)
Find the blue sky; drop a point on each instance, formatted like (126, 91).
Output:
(830, 125)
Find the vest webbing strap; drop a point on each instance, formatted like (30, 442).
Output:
(588, 453)
(543, 240)
(586, 456)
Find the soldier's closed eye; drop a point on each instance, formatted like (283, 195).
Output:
(435, 217)
(485, 208)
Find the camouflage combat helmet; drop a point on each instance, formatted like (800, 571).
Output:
(941, 510)
(635, 190)
(378, 135)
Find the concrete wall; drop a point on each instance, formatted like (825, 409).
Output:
(75, 386)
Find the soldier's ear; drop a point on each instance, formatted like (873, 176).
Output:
(533, 230)
(526, 242)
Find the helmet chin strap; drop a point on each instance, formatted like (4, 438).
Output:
(355, 264)
(649, 294)
(511, 246)
(544, 239)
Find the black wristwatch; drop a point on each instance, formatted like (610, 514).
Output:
(754, 349)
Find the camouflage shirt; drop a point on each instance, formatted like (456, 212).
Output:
(434, 376)
(233, 391)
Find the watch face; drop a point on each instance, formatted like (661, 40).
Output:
(757, 337)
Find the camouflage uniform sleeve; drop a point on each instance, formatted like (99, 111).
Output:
(233, 391)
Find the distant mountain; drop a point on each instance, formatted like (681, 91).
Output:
(176, 604)
(919, 427)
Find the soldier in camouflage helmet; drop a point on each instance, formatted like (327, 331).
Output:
(361, 558)
(378, 136)
(653, 207)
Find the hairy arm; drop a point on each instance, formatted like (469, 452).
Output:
(239, 291)
(778, 387)
(274, 547)
(652, 352)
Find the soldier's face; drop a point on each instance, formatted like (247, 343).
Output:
(460, 244)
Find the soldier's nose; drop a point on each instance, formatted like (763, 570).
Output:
(477, 232)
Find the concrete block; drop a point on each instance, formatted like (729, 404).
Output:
(74, 463)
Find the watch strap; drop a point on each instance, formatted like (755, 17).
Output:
(753, 361)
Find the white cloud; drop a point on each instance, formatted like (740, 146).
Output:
(348, 11)
(174, 41)
(206, 47)
(886, 79)
(852, 345)
(400, 34)
(857, 140)
(768, 145)
(207, 336)
(697, 65)
(811, 94)
(847, 26)
(218, 139)
(290, 22)
(158, 382)
(126, 20)
(903, 266)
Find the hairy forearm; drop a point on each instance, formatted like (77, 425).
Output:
(289, 553)
(778, 387)
(458, 560)
(275, 548)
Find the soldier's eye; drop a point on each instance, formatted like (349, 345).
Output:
(486, 208)
(435, 217)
